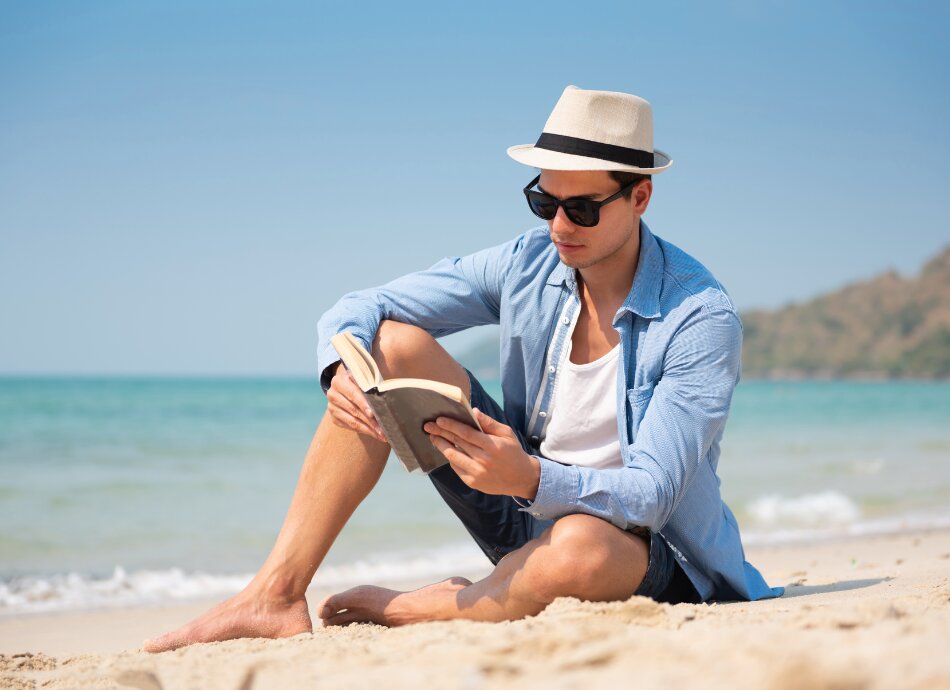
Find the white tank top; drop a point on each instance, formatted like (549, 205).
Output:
(583, 425)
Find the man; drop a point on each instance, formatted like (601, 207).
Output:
(597, 480)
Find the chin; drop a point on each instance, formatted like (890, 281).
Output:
(576, 261)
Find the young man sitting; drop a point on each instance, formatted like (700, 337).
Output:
(597, 480)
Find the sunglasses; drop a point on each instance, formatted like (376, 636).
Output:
(583, 212)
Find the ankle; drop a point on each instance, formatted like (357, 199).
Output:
(277, 588)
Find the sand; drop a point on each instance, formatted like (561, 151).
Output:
(861, 612)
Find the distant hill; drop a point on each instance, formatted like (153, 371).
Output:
(886, 327)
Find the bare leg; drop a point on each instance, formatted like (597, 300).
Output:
(580, 556)
(340, 469)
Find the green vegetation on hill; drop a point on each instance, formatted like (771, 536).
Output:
(886, 327)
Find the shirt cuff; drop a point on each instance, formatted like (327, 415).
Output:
(325, 375)
(557, 491)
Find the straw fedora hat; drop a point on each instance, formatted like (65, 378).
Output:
(596, 130)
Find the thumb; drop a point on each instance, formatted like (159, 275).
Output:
(489, 424)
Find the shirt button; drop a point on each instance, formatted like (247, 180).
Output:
(551, 368)
(565, 320)
(542, 413)
(534, 439)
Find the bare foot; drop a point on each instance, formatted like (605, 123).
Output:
(243, 615)
(370, 604)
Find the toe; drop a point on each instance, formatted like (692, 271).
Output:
(172, 640)
(346, 617)
(335, 603)
(158, 644)
(328, 607)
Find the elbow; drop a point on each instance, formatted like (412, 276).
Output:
(659, 498)
(349, 304)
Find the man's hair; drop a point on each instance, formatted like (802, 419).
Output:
(625, 178)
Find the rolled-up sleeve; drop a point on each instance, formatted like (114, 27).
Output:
(687, 410)
(454, 294)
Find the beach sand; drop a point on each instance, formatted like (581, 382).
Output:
(861, 612)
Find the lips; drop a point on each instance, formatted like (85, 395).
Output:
(565, 245)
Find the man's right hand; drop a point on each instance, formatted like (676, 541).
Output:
(348, 407)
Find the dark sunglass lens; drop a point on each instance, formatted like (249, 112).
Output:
(542, 206)
(581, 212)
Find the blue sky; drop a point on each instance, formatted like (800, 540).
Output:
(184, 187)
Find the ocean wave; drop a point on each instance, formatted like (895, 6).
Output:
(823, 508)
(25, 595)
(76, 591)
(908, 522)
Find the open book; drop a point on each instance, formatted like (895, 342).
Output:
(402, 406)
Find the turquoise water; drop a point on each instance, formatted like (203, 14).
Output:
(196, 474)
(885, 445)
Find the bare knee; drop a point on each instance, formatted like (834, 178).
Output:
(397, 345)
(576, 561)
(404, 350)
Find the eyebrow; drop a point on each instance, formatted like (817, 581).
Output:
(576, 196)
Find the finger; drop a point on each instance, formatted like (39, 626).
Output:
(356, 424)
(366, 418)
(348, 421)
(354, 394)
(492, 426)
(461, 462)
(472, 436)
(342, 404)
(461, 444)
(467, 469)
(469, 448)
(351, 398)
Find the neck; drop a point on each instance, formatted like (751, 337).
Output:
(609, 280)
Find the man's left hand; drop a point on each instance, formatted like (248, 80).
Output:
(492, 462)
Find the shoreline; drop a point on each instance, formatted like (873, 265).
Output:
(861, 611)
(149, 588)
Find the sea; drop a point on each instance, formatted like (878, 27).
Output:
(118, 492)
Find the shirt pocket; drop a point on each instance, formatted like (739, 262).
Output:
(637, 401)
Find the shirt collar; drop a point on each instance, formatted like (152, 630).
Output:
(644, 296)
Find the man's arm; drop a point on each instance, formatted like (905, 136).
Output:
(454, 294)
(689, 406)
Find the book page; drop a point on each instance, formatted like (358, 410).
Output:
(358, 361)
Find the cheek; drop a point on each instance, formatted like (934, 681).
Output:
(614, 238)
(621, 221)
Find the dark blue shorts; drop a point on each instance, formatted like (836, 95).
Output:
(499, 527)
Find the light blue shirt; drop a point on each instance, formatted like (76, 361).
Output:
(680, 346)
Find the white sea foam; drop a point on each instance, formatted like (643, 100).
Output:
(74, 591)
(908, 522)
(824, 508)
(825, 515)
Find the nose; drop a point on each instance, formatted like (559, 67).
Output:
(561, 225)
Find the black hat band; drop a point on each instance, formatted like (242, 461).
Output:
(595, 149)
